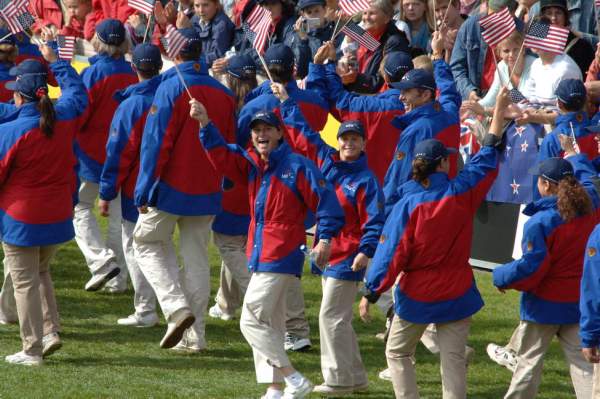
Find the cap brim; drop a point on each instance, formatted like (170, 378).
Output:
(263, 120)
(535, 170)
(14, 71)
(12, 85)
(593, 129)
(451, 150)
(403, 85)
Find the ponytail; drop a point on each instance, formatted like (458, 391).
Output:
(573, 200)
(421, 169)
(47, 114)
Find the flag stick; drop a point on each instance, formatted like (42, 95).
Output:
(343, 26)
(434, 21)
(574, 138)
(336, 26)
(5, 36)
(445, 14)
(520, 51)
(147, 27)
(497, 71)
(264, 64)
(183, 81)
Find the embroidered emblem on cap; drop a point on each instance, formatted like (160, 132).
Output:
(579, 117)
(400, 155)
(591, 251)
(321, 183)
(196, 67)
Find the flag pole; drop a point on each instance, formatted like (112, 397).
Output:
(520, 50)
(340, 30)
(336, 26)
(496, 63)
(264, 64)
(148, 26)
(183, 81)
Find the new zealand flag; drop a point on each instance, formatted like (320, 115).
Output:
(514, 184)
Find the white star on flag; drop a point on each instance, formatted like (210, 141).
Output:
(515, 187)
(524, 146)
(519, 130)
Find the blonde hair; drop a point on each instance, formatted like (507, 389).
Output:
(428, 15)
(423, 62)
(109, 49)
(516, 37)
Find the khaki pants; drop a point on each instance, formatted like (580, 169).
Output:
(596, 382)
(341, 363)
(175, 289)
(263, 323)
(144, 299)
(295, 319)
(535, 339)
(8, 306)
(28, 267)
(234, 271)
(402, 342)
(99, 253)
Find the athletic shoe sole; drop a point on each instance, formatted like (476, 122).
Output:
(95, 287)
(52, 348)
(177, 333)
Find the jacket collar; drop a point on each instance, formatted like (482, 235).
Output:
(540, 205)
(437, 179)
(103, 58)
(28, 109)
(145, 88)
(424, 111)
(275, 157)
(353, 166)
(573, 117)
(193, 67)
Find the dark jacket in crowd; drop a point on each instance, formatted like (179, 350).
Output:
(216, 36)
(305, 50)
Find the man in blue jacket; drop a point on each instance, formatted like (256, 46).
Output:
(177, 185)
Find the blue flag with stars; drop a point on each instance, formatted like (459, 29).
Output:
(514, 184)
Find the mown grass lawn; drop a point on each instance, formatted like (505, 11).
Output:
(100, 359)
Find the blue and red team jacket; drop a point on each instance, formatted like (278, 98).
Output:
(104, 77)
(122, 163)
(437, 119)
(549, 272)
(589, 302)
(5, 94)
(281, 191)
(585, 139)
(312, 105)
(175, 175)
(36, 203)
(375, 112)
(426, 244)
(356, 188)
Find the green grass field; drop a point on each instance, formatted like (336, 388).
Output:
(100, 359)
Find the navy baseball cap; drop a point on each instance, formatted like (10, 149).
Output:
(351, 126)
(194, 43)
(111, 31)
(432, 150)
(397, 64)
(279, 54)
(571, 92)
(302, 4)
(6, 37)
(553, 169)
(241, 66)
(416, 79)
(31, 76)
(267, 117)
(146, 57)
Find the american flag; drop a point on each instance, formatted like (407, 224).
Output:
(516, 96)
(546, 37)
(66, 47)
(497, 26)
(597, 3)
(361, 36)
(351, 7)
(20, 22)
(143, 6)
(14, 8)
(175, 41)
(256, 27)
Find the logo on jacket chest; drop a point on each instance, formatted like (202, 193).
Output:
(351, 187)
(400, 155)
(153, 109)
(287, 175)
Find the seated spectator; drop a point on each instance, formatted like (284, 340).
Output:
(580, 50)
(77, 11)
(472, 61)
(104, 9)
(415, 14)
(582, 17)
(447, 16)
(364, 77)
(48, 13)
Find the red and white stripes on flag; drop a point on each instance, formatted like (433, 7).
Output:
(175, 42)
(360, 36)
(66, 47)
(143, 6)
(546, 37)
(14, 8)
(597, 3)
(259, 24)
(351, 7)
(497, 26)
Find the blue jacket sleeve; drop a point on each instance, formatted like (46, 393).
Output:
(478, 175)
(228, 159)
(550, 147)
(300, 136)
(589, 301)
(449, 96)
(371, 216)
(317, 81)
(73, 100)
(586, 173)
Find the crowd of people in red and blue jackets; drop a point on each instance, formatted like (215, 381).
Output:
(223, 140)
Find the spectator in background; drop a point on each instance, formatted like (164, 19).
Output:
(47, 13)
(103, 9)
(582, 17)
(416, 14)
(580, 50)
(447, 16)
(76, 13)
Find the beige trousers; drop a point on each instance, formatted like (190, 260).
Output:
(596, 382)
(402, 342)
(341, 363)
(234, 271)
(28, 267)
(186, 288)
(263, 323)
(535, 339)
(295, 319)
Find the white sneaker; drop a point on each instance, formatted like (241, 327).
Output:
(272, 394)
(216, 313)
(301, 390)
(182, 320)
(188, 346)
(100, 279)
(295, 343)
(50, 344)
(24, 359)
(329, 390)
(386, 375)
(502, 356)
(133, 320)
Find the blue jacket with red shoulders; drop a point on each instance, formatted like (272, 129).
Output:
(375, 112)
(585, 139)
(426, 244)
(36, 186)
(437, 119)
(122, 163)
(175, 173)
(589, 301)
(281, 191)
(104, 77)
(312, 105)
(549, 272)
(356, 188)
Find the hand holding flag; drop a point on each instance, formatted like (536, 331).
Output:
(497, 26)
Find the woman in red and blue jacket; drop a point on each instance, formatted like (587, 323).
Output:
(361, 198)
(549, 272)
(425, 246)
(282, 187)
(36, 207)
